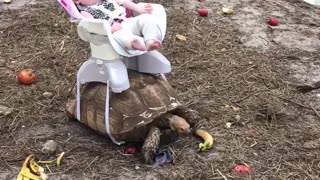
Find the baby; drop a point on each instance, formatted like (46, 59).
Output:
(129, 31)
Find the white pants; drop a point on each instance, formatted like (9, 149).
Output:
(148, 26)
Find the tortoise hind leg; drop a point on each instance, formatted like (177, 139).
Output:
(151, 145)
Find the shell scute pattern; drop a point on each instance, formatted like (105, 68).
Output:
(130, 111)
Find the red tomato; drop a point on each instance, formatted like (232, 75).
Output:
(241, 169)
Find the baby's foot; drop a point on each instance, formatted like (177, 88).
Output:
(153, 44)
(138, 44)
(115, 27)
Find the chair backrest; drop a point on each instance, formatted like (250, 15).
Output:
(73, 11)
(71, 8)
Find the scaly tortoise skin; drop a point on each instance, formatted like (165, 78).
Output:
(137, 114)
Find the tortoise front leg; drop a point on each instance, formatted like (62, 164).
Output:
(199, 126)
(151, 145)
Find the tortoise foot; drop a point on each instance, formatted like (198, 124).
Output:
(151, 145)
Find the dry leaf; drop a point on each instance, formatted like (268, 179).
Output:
(227, 11)
(5, 110)
(181, 37)
(235, 108)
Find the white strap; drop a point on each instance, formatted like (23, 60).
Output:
(163, 77)
(107, 117)
(78, 96)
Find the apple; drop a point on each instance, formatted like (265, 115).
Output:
(273, 21)
(242, 169)
(203, 12)
(26, 76)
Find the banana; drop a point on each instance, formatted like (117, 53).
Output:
(208, 140)
(58, 160)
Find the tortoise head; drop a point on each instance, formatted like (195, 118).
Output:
(179, 124)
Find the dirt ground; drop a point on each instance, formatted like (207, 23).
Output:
(227, 61)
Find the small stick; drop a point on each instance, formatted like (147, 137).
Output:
(246, 97)
(315, 111)
(223, 176)
(304, 106)
(88, 166)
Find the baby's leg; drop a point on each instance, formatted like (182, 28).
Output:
(148, 27)
(129, 40)
(137, 43)
(153, 44)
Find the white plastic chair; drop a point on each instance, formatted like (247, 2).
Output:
(109, 61)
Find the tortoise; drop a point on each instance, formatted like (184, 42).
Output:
(140, 113)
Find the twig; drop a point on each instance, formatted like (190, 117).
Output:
(304, 106)
(246, 97)
(315, 111)
(296, 103)
(223, 176)
(192, 50)
(91, 162)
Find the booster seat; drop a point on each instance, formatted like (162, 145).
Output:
(109, 61)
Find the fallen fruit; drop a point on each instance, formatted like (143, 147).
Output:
(208, 140)
(241, 169)
(203, 12)
(273, 21)
(130, 150)
(26, 76)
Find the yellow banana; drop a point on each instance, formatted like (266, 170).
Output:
(208, 140)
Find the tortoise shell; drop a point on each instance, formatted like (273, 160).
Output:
(131, 111)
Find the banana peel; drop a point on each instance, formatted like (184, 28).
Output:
(58, 160)
(208, 140)
(31, 170)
